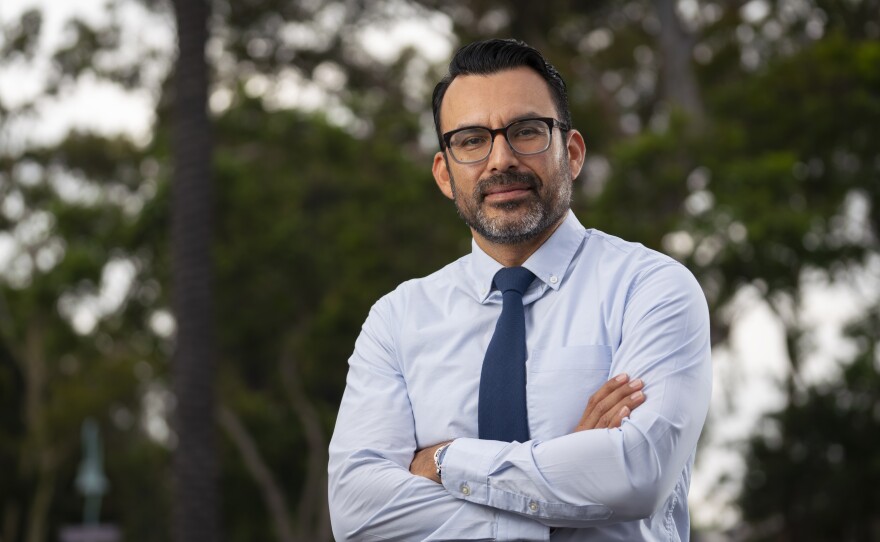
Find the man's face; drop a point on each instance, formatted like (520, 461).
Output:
(508, 198)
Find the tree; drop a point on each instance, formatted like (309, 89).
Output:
(195, 509)
(824, 432)
(63, 357)
(303, 330)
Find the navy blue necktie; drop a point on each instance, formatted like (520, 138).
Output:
(502, 406)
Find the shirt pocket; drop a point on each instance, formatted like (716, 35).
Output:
(559, 383)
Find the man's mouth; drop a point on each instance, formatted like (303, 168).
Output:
(499, 194)
(507, 188)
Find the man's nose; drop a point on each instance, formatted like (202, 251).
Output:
(502, 157)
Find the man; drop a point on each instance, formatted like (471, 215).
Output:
(442, 434)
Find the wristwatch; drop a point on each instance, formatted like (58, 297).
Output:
(438, 459)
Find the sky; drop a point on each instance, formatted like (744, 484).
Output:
(91, 103)
(748, 370)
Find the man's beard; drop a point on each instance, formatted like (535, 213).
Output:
(537, 215)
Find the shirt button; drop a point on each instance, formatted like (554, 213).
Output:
(553, 279)
(533, 506)
(465, 490)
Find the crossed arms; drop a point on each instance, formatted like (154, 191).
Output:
(611, 468)
(606, 409)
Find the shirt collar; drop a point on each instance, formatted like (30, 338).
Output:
(549, 263)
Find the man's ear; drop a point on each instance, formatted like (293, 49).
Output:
(577, 151)
(442, 175)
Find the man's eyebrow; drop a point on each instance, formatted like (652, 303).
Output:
(522, 116)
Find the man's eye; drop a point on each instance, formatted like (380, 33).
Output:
(527, 132)
(472, 141)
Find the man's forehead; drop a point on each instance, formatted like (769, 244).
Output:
(506, 95)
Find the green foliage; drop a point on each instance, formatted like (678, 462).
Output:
(814, 472)
(309, 189)
(771, 178)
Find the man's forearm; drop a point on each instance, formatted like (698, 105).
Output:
(372, 498)
(585, 479)
(605, 409)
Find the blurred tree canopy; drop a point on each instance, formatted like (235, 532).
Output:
(813, 471)
(737, 137)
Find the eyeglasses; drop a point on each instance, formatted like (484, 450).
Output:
(527, 136)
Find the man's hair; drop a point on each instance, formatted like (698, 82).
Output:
(496, 55)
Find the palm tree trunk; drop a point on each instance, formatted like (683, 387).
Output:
(195, 508)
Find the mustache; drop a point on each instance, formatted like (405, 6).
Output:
(505, 179)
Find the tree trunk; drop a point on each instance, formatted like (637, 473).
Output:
(195, 498)
(676, 47)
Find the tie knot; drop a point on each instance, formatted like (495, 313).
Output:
(513, 278)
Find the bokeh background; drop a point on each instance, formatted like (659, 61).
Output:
(740, 137)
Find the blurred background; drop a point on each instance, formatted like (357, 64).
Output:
(740, 137)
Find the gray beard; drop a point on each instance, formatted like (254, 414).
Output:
(539, 214)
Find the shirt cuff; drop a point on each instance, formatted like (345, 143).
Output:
(466, 464)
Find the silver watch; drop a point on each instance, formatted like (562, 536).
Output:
(438, 457)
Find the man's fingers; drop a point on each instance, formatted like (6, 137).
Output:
(609, 387)
(624, 408)
(601, 401)
(607, 390)
(618, 418)
(605, 407)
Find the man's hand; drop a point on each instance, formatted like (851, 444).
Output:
(612, 403)
(423, 463)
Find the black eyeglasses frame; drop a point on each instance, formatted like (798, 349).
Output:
(549, 121)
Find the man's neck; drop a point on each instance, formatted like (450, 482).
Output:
(512, 255)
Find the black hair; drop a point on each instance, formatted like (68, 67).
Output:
(496, 55)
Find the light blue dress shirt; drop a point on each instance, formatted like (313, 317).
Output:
(600, 306)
